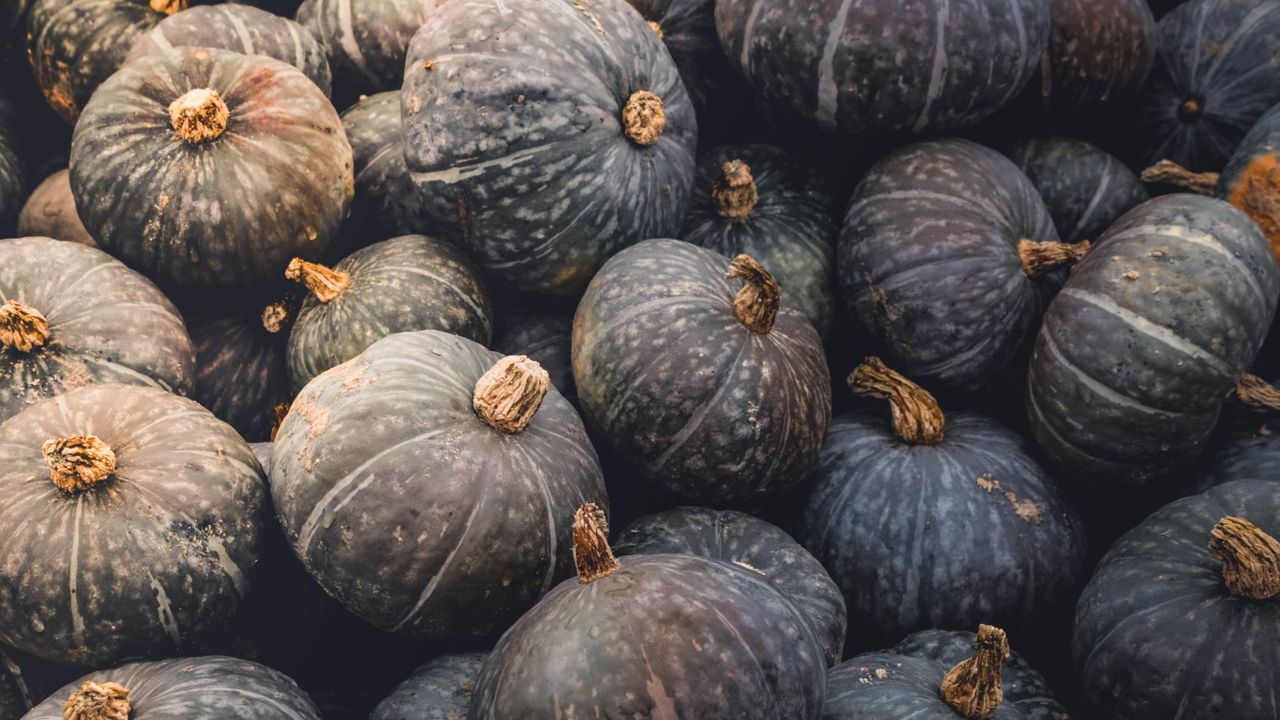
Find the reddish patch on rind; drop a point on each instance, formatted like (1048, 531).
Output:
(1256, 191)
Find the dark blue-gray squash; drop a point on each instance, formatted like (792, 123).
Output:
(1243, 455)
(441, 689)
(241, 374)
(1099, 51)
(546, 337)
(365, 40)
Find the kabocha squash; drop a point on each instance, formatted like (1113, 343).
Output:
(1084, 188)
(134, 522)
(210, 170)
(71, 315)
(552, 133)
(1214, 77)
(547, 337)
(262, 451)
(243, 29)
(1150, 335)
(767, 203)
(429, 484)
(13, 180)
(933, 522)
(51, 212)
(752, 543)
(1181, 618)
(1099, 50)
(365, 40)
(1243, 456)
(199, 687)
(947, 257)
(886, 65)
(412, 282)
(386, 203)
(704, 379)
(241, 372)
(439, 690)
(658, 636)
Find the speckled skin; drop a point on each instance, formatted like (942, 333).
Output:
(1023, 685)
(243, 29)
(513, 132)
(1099, 50)
(1149, 337)
(547, 338)
(50, 211)
(74, 45)
(791, 231)
(240, 371)
(465, 527)
(945, 536)
(736, 537)
(365, 40)
(886, 64)
(154, 560)
(198, 688)
(13, 176)
(1158, 635)
(1084, 188)
(227, 214)
(689, 32)
(928, 261)
(697, 404)
(412, 282)
(107, 324)
(664, 637)
(1224, 53)
(439, 690)
(890, 686)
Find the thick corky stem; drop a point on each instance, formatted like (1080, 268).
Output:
(79, 462)
(509, 395)
(756, 302)
(323, 282)
(97, 701)
(199, 115)
(657, 29)
(735, 193)
(1041, 256)
(22, 327)
(1171, 173)
(1258, 394)
(592, 555)
(972, 688)
(643, 118)
(917, 417)
(168, 7)
(274, 317)
(1250, 558)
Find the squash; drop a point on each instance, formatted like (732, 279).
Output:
(883, 65)
(1084, 188)
(1242, 456)
(50, 211)
(209, 170)
(262, 451)
(152, 509)
(197, 687)
(547, 337)
(947, 257)
(428, 484)
(13, 180)
(1099, 51)
(412, 282)
(243, 29)
(1181, 618)
(703, 378)
(749, 542)
(241, 371)
(1150, 335)
(1213, 79)
(71, 315)
(15, 697)
(552, 133)
(771, 205)
(438, 690)
(654, 636)
(933, 522)
(365, 40)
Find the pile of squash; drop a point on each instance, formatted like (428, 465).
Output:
(665, 359)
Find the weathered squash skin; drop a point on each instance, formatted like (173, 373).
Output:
(791, 231)
(1159, 635)
(227, 214)
(439, 690)
(1251, 180)
(1150, 335)
(887, 64)
(241, 373)
(1225, 56)
(365, 40)
(243, 29)
(700, 406)
(750, 542)
(1084, 188)
(1242, 456)
(465, 526)
(159, 555)
(546, 337)
(412, 282)
(890, 686)
(210, 687)
(51, 212)
(1099, 50)
(107, 324)
(386, 202)
(13, 174)
(513, 132)
(928, 262)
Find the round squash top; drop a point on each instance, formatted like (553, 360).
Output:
(199, 115)
(22, 327)
(79, 462)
